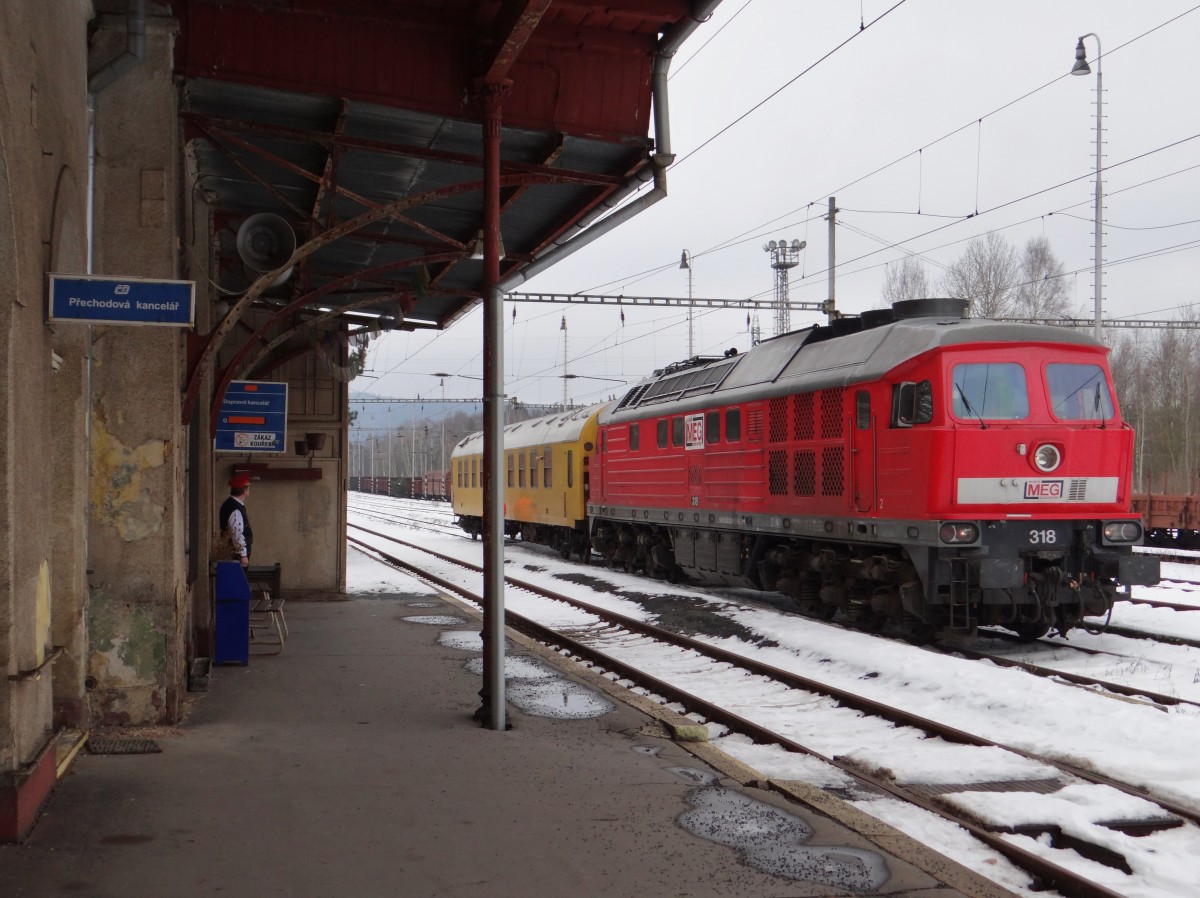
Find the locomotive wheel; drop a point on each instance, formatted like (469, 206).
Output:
(1031, 630)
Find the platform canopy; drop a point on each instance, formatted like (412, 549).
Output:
(321, 111)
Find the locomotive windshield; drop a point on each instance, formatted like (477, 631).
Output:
(992, 391)
(1078, 392)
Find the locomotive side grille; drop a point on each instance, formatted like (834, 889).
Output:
(778, 420)
(777, 472)
(802, 416)
(832, 473)
(831, 413)
(804, 473)
(754, 423)
(1078, 490)
(694, 478)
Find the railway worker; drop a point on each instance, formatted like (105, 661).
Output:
(235, 525)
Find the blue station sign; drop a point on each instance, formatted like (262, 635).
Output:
(114, 300)
(253, 417)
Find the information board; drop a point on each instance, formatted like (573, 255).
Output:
(253, 417)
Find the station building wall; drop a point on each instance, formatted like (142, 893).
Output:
(107, 498)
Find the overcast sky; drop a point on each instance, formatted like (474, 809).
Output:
(934, 111)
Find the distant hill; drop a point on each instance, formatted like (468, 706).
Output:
(374, 412)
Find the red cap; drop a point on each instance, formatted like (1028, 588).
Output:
(239, 481)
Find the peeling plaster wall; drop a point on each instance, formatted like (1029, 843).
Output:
(43, 157)
(140, 600)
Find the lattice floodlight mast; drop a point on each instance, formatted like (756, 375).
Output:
(566, 374)
(784, 256)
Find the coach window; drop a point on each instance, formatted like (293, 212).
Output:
(510, 470)
(733, 425)
(662, 433)
(712, 427)
(570, 468)
(521, 470)
(547, 459)
(474, 473)
(862, 410)
(990, 391)
(677, 432)
(634, 438)
(533, 465)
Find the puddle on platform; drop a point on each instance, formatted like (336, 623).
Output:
(467, 640)
(692, 775)
(438, 620)
(770, 838)
(539, 689)
(563, 699)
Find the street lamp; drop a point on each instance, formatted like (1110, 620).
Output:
(1081, 67)
(685, 261)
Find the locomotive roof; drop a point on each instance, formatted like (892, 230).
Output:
(821, 357)
(560, 427)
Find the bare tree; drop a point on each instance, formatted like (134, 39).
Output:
(905, 280)
(1042, 291)
(985, 274)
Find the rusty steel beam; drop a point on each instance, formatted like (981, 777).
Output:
(329, 140)
(512, 29)
(217, 337)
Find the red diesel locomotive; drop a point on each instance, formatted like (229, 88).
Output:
(907, 466)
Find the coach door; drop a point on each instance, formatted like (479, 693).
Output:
(862, 454)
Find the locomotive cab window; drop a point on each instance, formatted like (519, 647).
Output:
(712, 427)
(990, 391)
(1079, 392)
(912, 403)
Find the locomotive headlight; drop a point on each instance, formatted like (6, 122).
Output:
(957, 533)
(1122, 532)
(1047, 458)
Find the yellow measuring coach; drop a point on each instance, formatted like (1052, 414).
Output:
(545, 473)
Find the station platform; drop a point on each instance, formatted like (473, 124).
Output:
(349, 764)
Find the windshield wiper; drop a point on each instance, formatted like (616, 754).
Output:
(967, 405)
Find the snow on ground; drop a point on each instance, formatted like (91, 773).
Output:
(1132, 741)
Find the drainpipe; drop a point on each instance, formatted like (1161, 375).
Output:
(135, 51)
(593, 226)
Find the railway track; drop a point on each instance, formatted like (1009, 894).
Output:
(432, 518)
(389, 510)
(614, 638)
